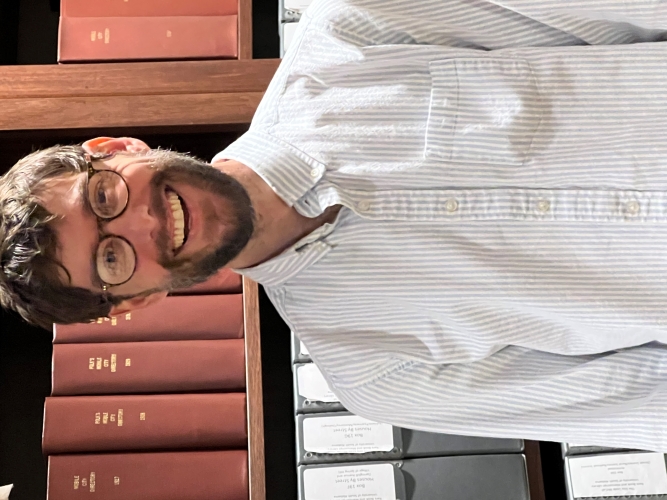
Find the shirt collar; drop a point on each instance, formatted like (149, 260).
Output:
(290, 172)
(304, 253)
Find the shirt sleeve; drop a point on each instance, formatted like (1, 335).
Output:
(488, 25)
(615, 399)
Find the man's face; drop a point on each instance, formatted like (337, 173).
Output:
(219, 221)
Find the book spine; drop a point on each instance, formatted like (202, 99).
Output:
(224, 281)
(204, 317)
(150, 8)
(148, 422)
(90, 39)
(195, 475)
(148, 367)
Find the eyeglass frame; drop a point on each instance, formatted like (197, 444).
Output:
(91, 172)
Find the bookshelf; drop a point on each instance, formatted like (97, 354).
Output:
(193, 106)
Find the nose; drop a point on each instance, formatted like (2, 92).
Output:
(138, 225)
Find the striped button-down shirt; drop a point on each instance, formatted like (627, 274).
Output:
(499, 266)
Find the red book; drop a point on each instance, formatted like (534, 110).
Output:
(148, 367)
(140, 8)
(152, 422)
(224, 281)
(191, 475)
(174, 318)
(89, 39)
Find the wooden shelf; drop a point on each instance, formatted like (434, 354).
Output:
(132, 94)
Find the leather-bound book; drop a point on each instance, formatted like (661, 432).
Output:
(224, 281)
(140, 8)
(148, 367)
(90, 39)
(191, 475)
(205, 317)
(150, 422)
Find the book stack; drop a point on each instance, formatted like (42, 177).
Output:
(142, 30)
(344, 456)
(152, 405)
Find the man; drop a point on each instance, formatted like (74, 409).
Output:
(458, 205)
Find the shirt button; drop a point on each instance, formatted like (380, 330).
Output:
(364, 205)
(315, 172)
(632, 207)
(543, 205)
(452, 205)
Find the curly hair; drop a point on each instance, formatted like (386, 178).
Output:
(31, 276)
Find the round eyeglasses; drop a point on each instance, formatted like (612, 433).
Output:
(107, 195)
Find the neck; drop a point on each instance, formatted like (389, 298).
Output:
(277, 225)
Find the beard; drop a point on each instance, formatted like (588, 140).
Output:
(175, 167)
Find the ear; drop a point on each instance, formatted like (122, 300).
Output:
(137, 303)
(112, 144)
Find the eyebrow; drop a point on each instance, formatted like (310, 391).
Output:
(84, 202)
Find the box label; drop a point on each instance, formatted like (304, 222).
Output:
(358, 482)
(346, 434)
(618, 475)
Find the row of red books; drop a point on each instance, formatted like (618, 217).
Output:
(126, 30)
(135, 418)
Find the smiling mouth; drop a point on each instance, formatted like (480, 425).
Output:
(180, 219)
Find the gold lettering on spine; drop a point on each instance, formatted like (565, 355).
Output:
(93, 35)
(128, 316)
(120, 417)
(112, 417)
(91, 364)
(106, 363)
(76, 482)
(98, 418)
(142, 416)
(105, 418)
(106, 35)
(92, 482)
(116, 479)
(128, 362)
(113, 363)
(84, 481)
(99, 35)
(114, 321)
(98, 363)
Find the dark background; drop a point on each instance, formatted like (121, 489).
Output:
(28, 35)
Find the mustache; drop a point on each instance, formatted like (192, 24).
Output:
(159, 208)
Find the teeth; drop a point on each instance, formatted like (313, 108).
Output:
(179, 220)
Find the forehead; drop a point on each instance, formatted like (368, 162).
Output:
(75, 228)
(62, 193)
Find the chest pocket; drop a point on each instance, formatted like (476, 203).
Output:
(482, 110)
